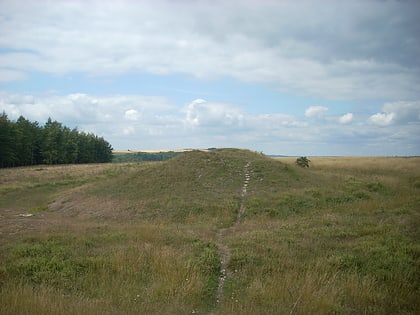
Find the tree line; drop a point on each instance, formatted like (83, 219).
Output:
(23, 142)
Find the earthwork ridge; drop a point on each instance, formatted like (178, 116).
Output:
(223, 248)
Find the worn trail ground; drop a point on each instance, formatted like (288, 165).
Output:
(223, 248)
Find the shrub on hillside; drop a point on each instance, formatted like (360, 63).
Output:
(303, 161)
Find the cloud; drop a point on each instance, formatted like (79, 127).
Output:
(129, 130)
(209, 114)
(151, 122)
(131, 114)
(7, 75)
(105, 114)
(405, 112)
(382, 119)
(397, 113)
(273, 122)
(350, 50)
(346, 118)
(316, 111)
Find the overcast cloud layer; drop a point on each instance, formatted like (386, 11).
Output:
(354, 66)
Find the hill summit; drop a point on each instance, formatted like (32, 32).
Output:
(196, 183)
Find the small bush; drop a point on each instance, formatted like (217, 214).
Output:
(303, 161)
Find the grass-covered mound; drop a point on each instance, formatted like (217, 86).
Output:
(197, 185)
(126, 157)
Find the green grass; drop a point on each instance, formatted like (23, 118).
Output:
(340, 237)
(33, 187)
(119, 157)
(146, 268)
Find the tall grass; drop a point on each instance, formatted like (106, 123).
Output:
(133, 269)
(340, 237)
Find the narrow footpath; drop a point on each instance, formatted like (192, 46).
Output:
(224, 251)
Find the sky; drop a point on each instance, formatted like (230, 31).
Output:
(312, 78)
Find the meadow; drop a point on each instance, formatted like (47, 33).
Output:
(339, 237)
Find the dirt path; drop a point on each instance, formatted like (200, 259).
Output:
(223, 248)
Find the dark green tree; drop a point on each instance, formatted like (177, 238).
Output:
(7, 142)
(71, 145)
(103, 150)
(26, 143)
(52, 142)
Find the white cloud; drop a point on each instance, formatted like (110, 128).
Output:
(316, 111)
(339, 51)
(397, 113)
(346, 118)
(106, 115)
(129, 130)
(382, 119)
(273, 122)
(7, 75)
(210, 114)
(131, 114)
(405, 112)
(192, 116)
(202, 124)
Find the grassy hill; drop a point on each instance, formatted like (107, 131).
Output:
(134, 156)
(340, 237)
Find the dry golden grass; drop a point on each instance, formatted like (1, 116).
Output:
(340, 237)
(44, 173)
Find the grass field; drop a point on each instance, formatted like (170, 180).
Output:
(341, 237)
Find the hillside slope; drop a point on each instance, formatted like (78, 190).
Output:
(222, 232)
(198, 186)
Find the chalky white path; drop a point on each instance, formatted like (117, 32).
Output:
(224, 251)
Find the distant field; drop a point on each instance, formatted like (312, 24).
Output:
(340, 237)
(148, 155)
(145, 151)
(154, 151)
